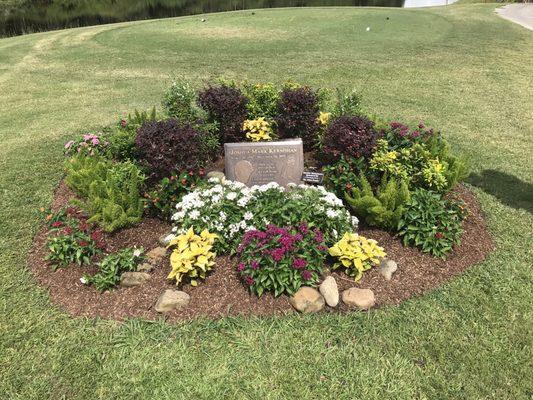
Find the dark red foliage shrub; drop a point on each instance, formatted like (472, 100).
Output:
(167, 146)
(349, 137)
(227, 107)
(297, 115)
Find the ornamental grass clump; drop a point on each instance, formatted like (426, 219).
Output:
(356, 254)
(281, 260)
(191, 256)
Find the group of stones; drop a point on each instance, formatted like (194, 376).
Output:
(310, 300)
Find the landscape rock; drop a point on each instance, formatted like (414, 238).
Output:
(156, 255)
(328, 288)
(170, 300)
(307, 300)
(216, 174)
(145, 267)
(387, 268)
(363, 299)
(129, 279)
(165, 239)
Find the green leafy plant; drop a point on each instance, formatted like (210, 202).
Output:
(71, 239)
(347, 103)
(343, 175)
(382, 207)
(112, 266)
(281, 260)
(169, 191)
(111, 192)
(262, 100)
(180, 101)
(432, 223)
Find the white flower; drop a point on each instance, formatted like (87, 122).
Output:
(83, 280)
(231, 196)
(335, 233)
(355, 222)
(194, 214)
(216, 199)
(138, 252)
(243, 201)
(248, 216)
(222, 216)
(331, 213)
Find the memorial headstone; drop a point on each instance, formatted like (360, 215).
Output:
(264, 162)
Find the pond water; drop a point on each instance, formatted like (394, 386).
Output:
(25, 16)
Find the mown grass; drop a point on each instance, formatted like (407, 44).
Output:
(461, 69)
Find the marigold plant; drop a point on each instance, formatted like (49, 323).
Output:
(192, 256)
(356, 253)
(257, 129)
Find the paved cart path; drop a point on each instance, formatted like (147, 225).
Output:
(520, 13)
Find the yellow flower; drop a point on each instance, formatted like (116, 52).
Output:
(257, 129)
(324, 118)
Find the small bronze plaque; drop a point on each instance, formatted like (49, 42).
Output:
(264, 162)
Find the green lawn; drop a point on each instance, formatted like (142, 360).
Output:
(461, 69)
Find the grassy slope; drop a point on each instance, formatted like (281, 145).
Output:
(460, 68)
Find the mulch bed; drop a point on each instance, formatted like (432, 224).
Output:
(223, 294)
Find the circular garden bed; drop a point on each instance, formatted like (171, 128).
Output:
(136, 229)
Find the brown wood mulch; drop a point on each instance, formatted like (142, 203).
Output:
(223, 294)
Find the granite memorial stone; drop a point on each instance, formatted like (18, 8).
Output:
(264, 162)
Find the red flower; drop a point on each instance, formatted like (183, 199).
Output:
(439, 235)
(201, 172)
(67, 230)
(123, 123)
(306, 275)
(57, 224)
(249, 280)
(184, 181)
(83, 243)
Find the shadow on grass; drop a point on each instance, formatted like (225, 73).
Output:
(507, 188)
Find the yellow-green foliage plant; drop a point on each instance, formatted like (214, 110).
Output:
(383, 207)
(356, 254)
(192, 256)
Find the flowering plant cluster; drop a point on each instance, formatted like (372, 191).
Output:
(71, 239)
(356, 254)
(112, 266)
(169, 190)
(191, 256)
(89, 144)
(280, 260)
(229, 209)
(432, 222)
(257, 129)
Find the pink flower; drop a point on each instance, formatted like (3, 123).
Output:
(277, 254)
(249, 280)
(299, 263)
(306, 275)
(69, 144)
(240, 267)
(254, 264)
(95, 141)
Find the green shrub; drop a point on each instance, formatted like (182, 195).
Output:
(343, 175)
(180, 102)
(112, 266)
(432, 223)
(262, 100)
(382, 207)
(111, 192)
(347, 103)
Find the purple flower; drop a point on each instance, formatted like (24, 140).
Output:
(240, 267)
(254, 264)
(249, 280)
(319, 238)
(306, 275)
(277, 254)
(421, 126)
(303, 228)
(299, 263)
(415, 134)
